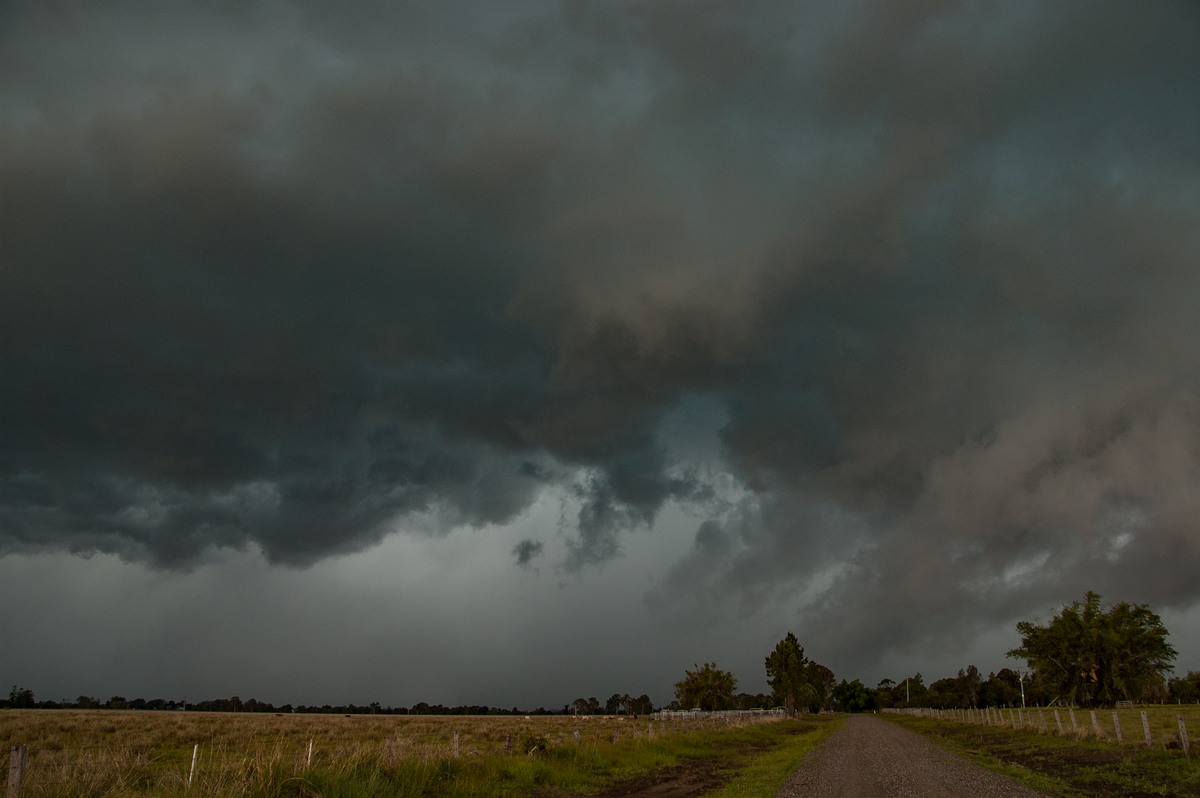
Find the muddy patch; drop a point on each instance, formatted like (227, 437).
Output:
(696, 778)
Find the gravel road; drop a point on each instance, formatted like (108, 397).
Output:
(871, 758)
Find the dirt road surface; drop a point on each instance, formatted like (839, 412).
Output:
(871, 758)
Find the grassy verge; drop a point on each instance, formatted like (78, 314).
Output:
(1065, 766)
(765, 774)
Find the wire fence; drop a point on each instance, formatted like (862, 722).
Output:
(1125, 725)
(178, 767)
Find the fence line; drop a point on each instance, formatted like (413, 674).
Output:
(18, 761)
(1023, 719)
(57, 766)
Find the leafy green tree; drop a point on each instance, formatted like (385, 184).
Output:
(1001, 689)
(20, 698)
(708, 688)
(749, 701)
(797, 682)
(909, 691)
(1185, 689)
(823, 682)
(969, 683)
(884, 697)
(963, 690)
(942, 693)
(1092, 656)
(787, 675)
(853, 696)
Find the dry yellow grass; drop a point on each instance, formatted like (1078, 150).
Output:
(126, 753)
(50, 730)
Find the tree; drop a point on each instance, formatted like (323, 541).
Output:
(1002, 689)
(970, 682)
(749, 701)
(708, 688)
(20, 698)
(1091, 656)
(823, 681)
(1185, 689)
(796, 681)
(642, 705)
(787, 674)
(883, 693)
(906, 692)
(853, 696)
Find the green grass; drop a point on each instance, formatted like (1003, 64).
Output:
(757, 758)
(1067, 765)
(765, 774)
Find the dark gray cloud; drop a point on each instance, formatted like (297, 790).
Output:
(527, 551)
(285, 279)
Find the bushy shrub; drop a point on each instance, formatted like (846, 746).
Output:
(531, 744)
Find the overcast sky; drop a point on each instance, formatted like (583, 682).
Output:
(509, 353)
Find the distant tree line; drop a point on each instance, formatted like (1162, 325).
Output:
(617, 704)
(23, 698)
(1087, 655)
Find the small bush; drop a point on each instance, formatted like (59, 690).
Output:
(531, 743)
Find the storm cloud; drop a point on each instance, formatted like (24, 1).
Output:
(896, 301)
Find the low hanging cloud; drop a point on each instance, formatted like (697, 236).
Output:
(280, 279)
(527, 551)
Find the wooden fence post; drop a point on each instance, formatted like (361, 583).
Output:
(192, 770)
(18, 761)
(1117, 728)
(1095, 724)
(456, 744)
(1183, 738)
(1058, 721)
(1146, 729)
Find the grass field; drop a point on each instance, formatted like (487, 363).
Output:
(1082, 763)
(114, 753)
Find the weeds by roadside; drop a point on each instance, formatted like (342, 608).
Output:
(1065, 766)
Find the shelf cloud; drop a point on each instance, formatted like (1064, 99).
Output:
(897, 302)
